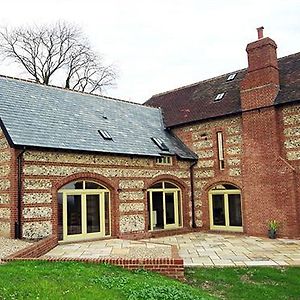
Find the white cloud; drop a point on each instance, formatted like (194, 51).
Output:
(162, 44)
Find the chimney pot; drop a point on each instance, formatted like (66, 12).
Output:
(260, 32)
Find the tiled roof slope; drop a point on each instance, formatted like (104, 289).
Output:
(196, 102)
(48, 117)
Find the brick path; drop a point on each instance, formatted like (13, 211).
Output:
(197, 249)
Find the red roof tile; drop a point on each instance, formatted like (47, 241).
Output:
(196, 102)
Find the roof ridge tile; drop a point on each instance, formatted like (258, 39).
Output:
(72, 91)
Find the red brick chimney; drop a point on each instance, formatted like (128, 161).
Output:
(262, 73)
(268, 183)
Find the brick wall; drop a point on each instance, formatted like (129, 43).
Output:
(290, 139)
(172, 267)
(5, 187)
(291, 132)
(35, 250)
(202, 139)
(268, 181)
(166, 266)
(127, 178)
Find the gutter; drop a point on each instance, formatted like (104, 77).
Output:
(192, 193)
(18, 227)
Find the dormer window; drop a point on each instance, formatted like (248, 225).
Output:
(105, 134)
(219, 97)
(231, 77)
(160, 143)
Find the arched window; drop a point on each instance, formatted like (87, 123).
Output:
(164, 206)
(225, 208)
(83, 211)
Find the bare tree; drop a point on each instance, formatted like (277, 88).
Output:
(43, 51)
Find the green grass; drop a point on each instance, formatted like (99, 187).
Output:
(71, 280)
(75, 280)
(247, 283)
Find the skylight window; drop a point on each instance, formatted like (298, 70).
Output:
(219, 97)
(231, 77)
(105, 134)
(160, 143)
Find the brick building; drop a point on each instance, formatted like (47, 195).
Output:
(245, 128)
(222, 154)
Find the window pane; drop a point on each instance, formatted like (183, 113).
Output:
(76, 185)
(170, 208)
(157, 186)
(74, 214)
(93, 213)
(60, 215)
(157, 213)
(235, 213)
(149, 211)
(230, 187)
(169, 185)
(218, 210)
(107, 214)
(179, 208)
(93, 185)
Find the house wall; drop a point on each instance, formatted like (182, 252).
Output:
(127, 178)
(268, 179)
(5, 187)
(262, 157)
(290, 116)
(202, 139)
(291, 134)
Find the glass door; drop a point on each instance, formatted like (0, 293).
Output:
(225, 210)
(83, 216)
(93, 213)
(171, 213)
(74, 214)
(234, 209)
(218, 208)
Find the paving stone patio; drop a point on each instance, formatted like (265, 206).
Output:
(205, 249)
(114, 248)
(197, 249)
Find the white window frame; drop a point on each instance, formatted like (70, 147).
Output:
(177, 204)
(225, 194)
(220, 144)
(83, 193)
(164, 160)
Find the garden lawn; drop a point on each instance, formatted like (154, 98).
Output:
(247, 283)
(74, 280)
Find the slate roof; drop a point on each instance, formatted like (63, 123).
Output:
(35, 115)
(195, 102)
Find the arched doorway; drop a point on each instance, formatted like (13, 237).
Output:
(225, 208)
(164, 206)
(83, 211)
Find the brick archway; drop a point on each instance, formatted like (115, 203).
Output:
(184, 196)
(205, 198)
(56, 185)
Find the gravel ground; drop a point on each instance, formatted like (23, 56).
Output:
(9, 246)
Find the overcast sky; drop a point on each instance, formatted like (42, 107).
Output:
(159, 45)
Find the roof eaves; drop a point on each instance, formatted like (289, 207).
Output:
(205, 119)
(46, 148)
(6, 134)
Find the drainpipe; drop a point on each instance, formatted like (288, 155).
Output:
(18, 227)
(192, 193)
